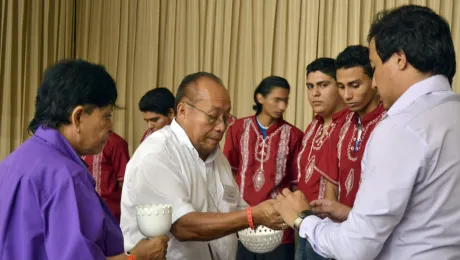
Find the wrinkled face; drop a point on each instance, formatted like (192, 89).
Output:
(157, 121)
(274, 103)
(384, 74)
(205, 117)
(94, 129)
(355, 88)
(323, 94)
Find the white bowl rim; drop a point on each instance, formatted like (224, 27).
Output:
(153, 206)
(258, 233)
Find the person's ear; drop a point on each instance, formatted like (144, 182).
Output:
(260, 98)
(76, 117)
(401, 60)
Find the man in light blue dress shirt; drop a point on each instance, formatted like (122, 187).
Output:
(407, 206)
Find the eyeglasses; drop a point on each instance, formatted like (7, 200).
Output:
(213, 120)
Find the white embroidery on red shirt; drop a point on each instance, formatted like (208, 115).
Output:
(262, 153)
(349, 182)
(350, 148)
(309, 169)
(304, 145)
(97, 170)
(342, 134)
(244, 144)
(281, 157)
(320, 139)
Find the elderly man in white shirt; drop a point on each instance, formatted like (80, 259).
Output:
(182, 165)
(407, 206)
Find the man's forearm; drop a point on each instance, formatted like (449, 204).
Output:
(197, 226)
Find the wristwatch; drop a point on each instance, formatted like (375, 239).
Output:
(301, 216)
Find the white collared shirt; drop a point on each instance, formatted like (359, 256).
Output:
(166, 169)
(407, 206)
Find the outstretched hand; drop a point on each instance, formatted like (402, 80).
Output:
(334, 210)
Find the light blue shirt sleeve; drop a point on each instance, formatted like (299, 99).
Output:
(392, 160)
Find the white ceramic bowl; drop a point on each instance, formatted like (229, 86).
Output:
(261, 240)
(154, 220)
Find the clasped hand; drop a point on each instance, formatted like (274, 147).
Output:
(334, 210)
(265, 214)
(290, 204)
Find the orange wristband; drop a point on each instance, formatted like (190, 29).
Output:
(130, 256)
(250, 220)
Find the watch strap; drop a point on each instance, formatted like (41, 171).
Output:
(297, 223)
(305, 213)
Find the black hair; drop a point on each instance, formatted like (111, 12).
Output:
(157, 100)
(420, 33)
(265, 87)
(184, 92)
(68, 84)
(355, 56)
(325, 65)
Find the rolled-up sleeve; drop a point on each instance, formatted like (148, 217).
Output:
(158, 180)
(153, 178)
(392, 160)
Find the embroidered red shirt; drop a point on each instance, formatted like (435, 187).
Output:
(108, 169)
(350, 152)
(312, 163)
(262, 165)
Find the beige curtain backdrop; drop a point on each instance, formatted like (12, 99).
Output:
(154, 43)
(33, 35)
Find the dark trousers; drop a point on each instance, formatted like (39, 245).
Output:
(283, 252)
(304, 251)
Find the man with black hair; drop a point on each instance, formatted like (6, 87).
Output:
(182, 165)
(48, 206)
(407, 204)
(354, 80)
(312, 159)
(260, 150)
(157, 107)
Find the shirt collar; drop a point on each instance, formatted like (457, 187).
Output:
(335, 116)
(371, 115)
(184, 139)
(271, 128)
(58, 141)
(339, 114)
(435, 83)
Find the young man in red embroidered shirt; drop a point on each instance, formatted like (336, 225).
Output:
(108, 170)
(260, 150)
(354, 80)
(312, 160)
(157, 107)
